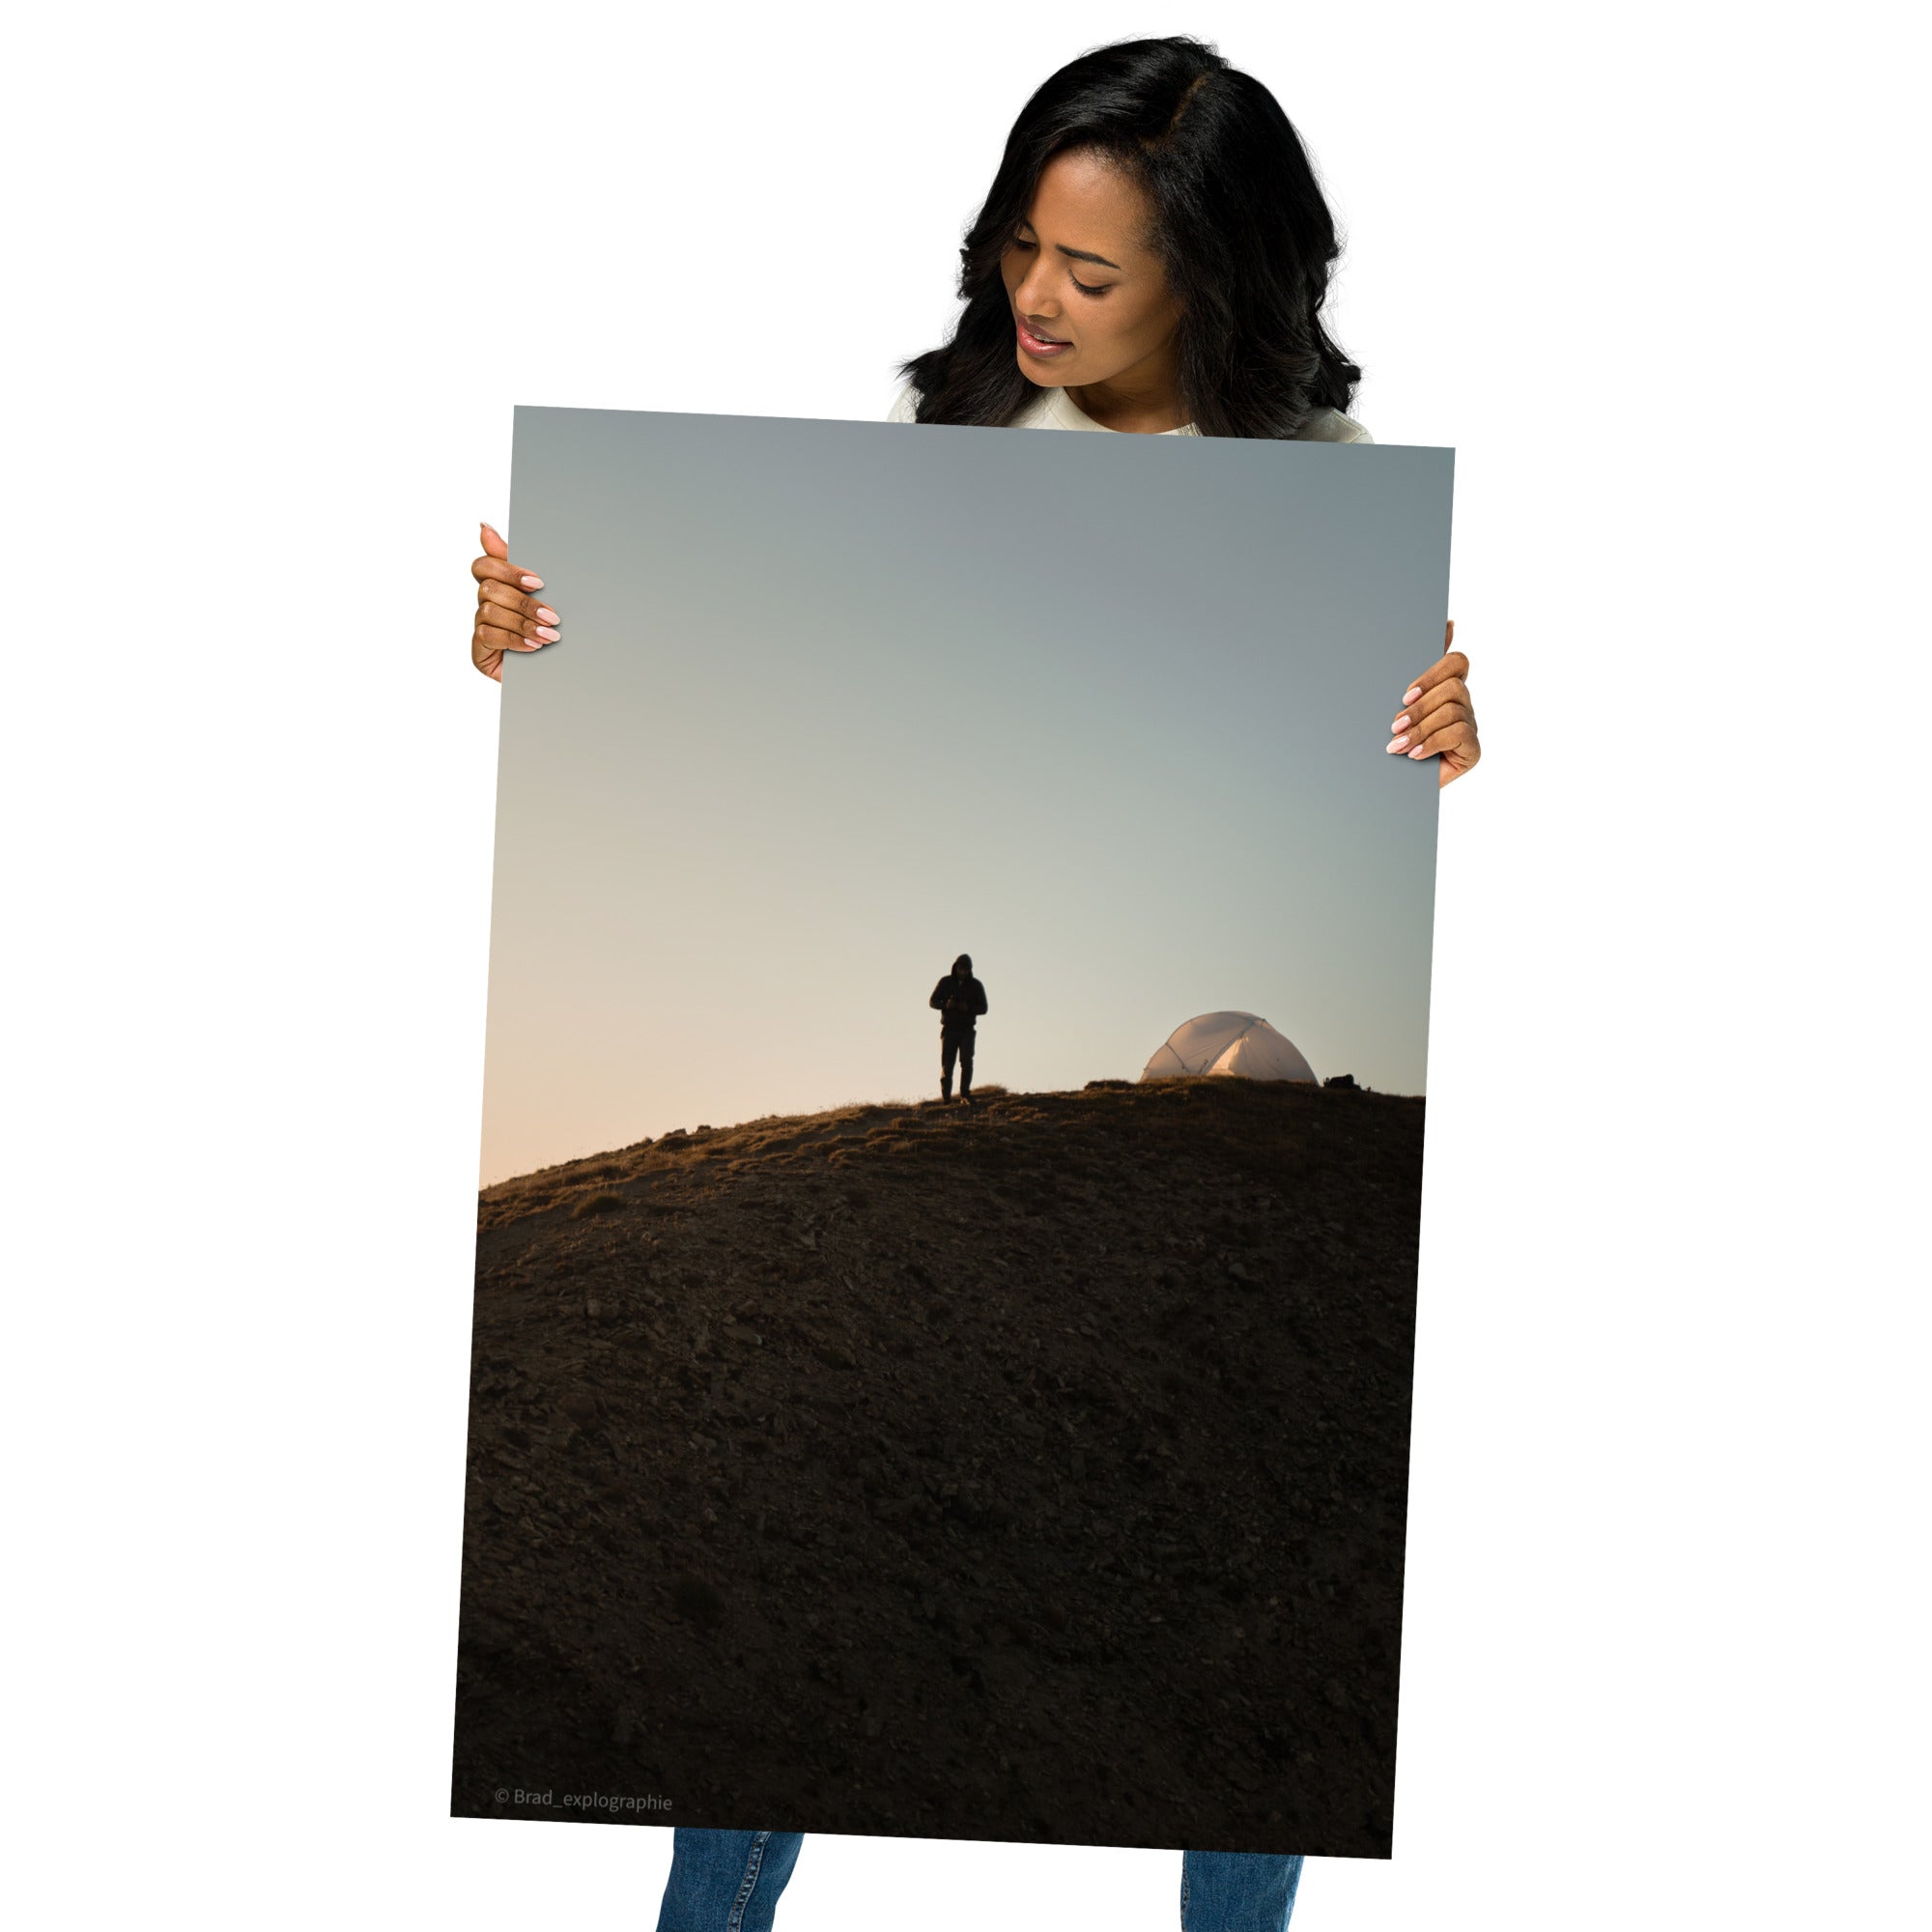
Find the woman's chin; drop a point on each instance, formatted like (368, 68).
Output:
(1040, 378)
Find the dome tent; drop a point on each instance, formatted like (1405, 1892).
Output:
(1239, 1044)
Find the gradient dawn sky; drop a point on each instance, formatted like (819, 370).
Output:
(836, 701)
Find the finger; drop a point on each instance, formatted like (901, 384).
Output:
(494, 544)
(1460, 736)
(517, 624)
(491, 638)
(526, 627)
(1438, 719)
(1452, 665)
(513, 604)
(1426, 725)
(1449, 635)
(1421, 733)
(495, 638)
(1445, 698)
(1455, 665)
(488, 567)
(1451, 690)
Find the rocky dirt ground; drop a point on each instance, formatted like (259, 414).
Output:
(1033, 1472)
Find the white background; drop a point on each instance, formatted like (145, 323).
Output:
(278, 276)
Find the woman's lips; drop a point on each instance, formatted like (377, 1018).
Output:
(1042, 346)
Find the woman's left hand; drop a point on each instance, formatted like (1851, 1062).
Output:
(1437, 720)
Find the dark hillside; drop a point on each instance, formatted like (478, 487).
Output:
(1032, 1471)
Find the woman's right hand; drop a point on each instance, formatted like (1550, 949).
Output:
(506, 618)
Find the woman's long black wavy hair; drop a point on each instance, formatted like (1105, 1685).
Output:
(1242, 228)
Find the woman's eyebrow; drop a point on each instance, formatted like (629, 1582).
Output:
(1080, 254)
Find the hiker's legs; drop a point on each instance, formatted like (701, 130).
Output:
(965, 1065)
(949, 1047)
(1237, 1892)
(726, 1881)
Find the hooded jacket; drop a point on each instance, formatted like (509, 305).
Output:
(959, 997)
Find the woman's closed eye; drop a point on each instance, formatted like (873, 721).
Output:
(1085, 288)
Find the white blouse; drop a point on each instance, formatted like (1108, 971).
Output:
(1055, 408)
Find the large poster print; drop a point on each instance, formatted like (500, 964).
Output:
(952, 1140)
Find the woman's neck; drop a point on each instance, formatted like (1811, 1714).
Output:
(1144, 400)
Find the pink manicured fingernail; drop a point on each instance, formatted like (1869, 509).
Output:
(1395, 744)
(534, 644)
(544, 614)
(1403, 719)
(546, 634)
(1417, 752)
(536, 583)
(1410, 696)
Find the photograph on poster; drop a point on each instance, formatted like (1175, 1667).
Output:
(952, 1135)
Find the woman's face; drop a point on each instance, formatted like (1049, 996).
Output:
(1090, 301)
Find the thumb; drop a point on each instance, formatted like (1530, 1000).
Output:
(494, 545)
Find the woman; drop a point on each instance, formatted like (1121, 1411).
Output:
(1152, 259)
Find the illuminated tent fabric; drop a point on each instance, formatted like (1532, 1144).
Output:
(1239, 1043)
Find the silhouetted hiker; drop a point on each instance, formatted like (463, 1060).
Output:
(960, 1000)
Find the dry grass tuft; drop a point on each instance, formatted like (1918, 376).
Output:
(605, 1203)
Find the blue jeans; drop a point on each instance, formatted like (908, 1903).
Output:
(730, 1882)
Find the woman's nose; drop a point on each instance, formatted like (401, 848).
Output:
(1034, 297)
